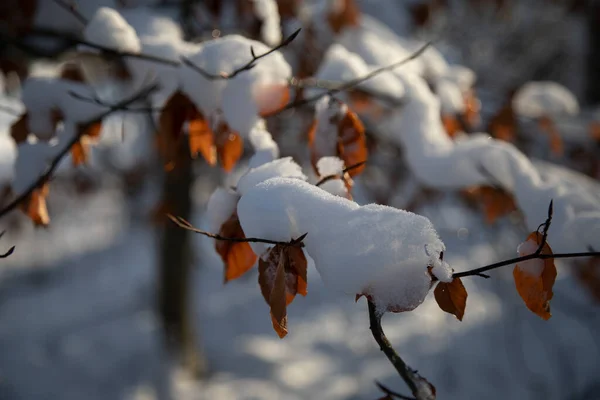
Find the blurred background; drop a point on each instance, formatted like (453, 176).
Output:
(111, 301)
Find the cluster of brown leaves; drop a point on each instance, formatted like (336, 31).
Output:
(349, 142)
(495, 202)
(454, 124)
(217, 143)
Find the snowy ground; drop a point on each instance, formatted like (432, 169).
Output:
(81, 325)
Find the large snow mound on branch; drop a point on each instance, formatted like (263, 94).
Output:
(109, 29)
(221, 205)
(538, 99)
(375, 250)
(283, 167)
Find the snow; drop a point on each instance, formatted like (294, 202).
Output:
(538, 99)
(221, 204)
(109, 29)
(265, 148)
(381, 251)
(532, 267)
(8, 155)
(451, 97)
(150, 24)
(283, 167)
(330, 166)
(267, 11)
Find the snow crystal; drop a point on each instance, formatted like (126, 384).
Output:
(330, 166)
(532, 267)
(221, 205)
(376, 250)
(109, 29)
(537, 99)
(283, 167)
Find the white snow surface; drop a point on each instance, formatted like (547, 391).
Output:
(372, 249)
(265, 148)
(283, 167)
(537, 99)
(330, 166)
(221, 204)
(268, 12)
(108, 28)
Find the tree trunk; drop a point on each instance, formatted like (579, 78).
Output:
(175, 307)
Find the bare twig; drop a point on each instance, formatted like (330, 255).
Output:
(65, 150)
(10, 251)
(72, 8)
(419, 386)
(536, 255)
(246, 67)
(335, 176)
(352, 83)
(182, 223)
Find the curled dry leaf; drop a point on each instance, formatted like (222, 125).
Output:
(282, 275)
(176, 111)
(503, 125)
(80, 151)
(534, 282)
(452, 297)
(230, 146)
(237, 256)
(201, 138)
(352, 143)
(451, 125)
(35, 206)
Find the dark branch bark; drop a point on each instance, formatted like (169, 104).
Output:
(419, 386)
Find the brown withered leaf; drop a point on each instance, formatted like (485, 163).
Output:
(201, 138)
(20, 129)
(282, 275)
(271, 98)
(452, 297)
(177, 110)
(72, 72)
(503, 125)
(471, 114)
(35, 206)
(230, 146)
(536, 289)
(352, 142)
(237, 256)
(496, 202)
(549, 127)
(451, 125)
(347, 15)
(80, 151)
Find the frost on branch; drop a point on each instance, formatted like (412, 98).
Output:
(381, 252)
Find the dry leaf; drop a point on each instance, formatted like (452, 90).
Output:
(72, 72)
(595, 131)
(503, 125)
(230, 146)
(452, 297)
(177, 110)
(345, 14)
(549, 127)
(472, 108)
(588, 273)
(451, 125)
(20, 129)
(201, 139)
(282, 275)
(536, 288)
(80, 151)
(271, 98)
(496, 202)
(237, 256)
(352, 142)
(35, 206)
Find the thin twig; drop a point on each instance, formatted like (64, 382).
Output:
(335, 176)
(65, 150)
(536, 255)
(70, 7)
(10, 251)
(352, 83)
(248, 66)
(419, 386)
(182, 223)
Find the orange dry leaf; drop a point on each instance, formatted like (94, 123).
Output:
(201, 138)
(80, 151)
(452, 297)
(556, 143)
(451, 125)
(503, 125)
(237, 256)
(352, 142)
(535, 287)
(271, 98)
(20, 129)
(35, 206)
(472, 108)
(230, 146)
(345, 14)
(177, 110)
(282, 275)
(496, 202)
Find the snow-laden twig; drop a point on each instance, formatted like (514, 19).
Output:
(535, 255)
(182, 223)
(352, 83)
(246, 67)
(418, 385)
(65, 150)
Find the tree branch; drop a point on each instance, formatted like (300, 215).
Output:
(419, 386)
(536, 255)
(10, 251)
(182, 223)
(246, 67)
(352, 83)
(65, 150)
